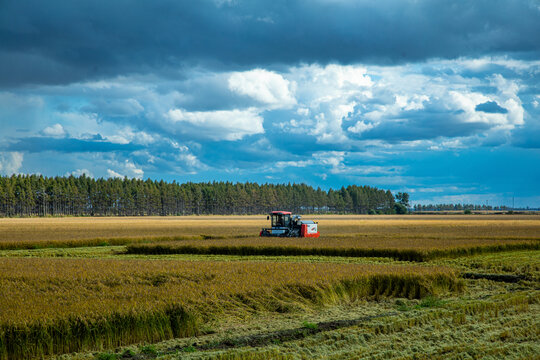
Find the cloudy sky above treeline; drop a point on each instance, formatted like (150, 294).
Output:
(437, 98)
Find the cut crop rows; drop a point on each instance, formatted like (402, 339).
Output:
(347, 247)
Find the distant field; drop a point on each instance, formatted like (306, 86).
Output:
(429, 231)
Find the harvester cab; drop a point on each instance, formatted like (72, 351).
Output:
(285, 224)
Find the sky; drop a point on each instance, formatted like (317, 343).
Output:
(440, 99)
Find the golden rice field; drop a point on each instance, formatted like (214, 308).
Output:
(422, 231)
(358, 241)
(94, 287)
(58, 305)
(84, 301)
(400, 249)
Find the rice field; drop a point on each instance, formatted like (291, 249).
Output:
(501, 329)
(57, 305)
(97, 285)
(389, 231)
(422, 250)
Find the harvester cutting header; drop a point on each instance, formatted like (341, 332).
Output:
(284, 224)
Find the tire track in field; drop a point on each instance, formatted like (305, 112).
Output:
(285, 335)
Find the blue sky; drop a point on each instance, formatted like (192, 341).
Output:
(437, 98)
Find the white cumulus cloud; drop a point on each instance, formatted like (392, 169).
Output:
(10, 162)
(123, 169)
(55, 130)
(264, 86)
(327, 96)
(114, 174)
(360, 127)
(332, 159)
(299, 164)
(216, 125)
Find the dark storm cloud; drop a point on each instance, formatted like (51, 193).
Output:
(491, 107)
(118, 108)
(248, 153)
(424, 126)
(67, 145)
(528, 135)
(61, 42)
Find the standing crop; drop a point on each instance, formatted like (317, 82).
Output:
(51, 306)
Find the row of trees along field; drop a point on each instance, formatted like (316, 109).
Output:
(35, 195)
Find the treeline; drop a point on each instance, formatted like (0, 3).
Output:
(36, 195)
(456, 207)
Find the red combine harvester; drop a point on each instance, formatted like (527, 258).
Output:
(284, 224)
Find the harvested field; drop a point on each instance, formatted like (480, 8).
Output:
(503, 329)
(61, 305)
(521, 263)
